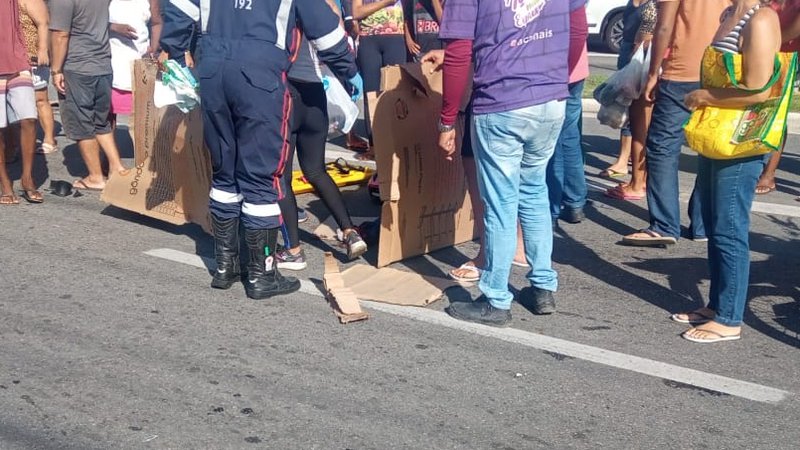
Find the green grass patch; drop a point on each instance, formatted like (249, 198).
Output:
(591, 84)
(794, 106)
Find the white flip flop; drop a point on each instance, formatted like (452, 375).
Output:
(474, 276)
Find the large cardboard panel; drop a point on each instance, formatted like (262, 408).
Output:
(172, 175)
(426, 205)
(397, 287)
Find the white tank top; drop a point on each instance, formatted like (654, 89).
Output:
(124, 52)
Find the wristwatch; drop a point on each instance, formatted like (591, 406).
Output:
(445, 128)
(55, 72)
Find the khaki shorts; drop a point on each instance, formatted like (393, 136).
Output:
(17, 98)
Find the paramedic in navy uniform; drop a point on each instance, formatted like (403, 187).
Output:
(243, 52)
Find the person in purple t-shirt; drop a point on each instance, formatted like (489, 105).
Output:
(519, 48)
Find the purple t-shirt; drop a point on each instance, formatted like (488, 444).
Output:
(520, 49)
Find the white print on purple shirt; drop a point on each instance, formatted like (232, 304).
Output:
(525, 11)
(545, 34)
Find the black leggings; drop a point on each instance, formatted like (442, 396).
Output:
(374, 53)
(309, 135)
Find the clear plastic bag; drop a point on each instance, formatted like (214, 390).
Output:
(614, 115)
(621, 89)
(342, 111)
(626, 84)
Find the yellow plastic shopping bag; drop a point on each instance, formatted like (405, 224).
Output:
(728, 133)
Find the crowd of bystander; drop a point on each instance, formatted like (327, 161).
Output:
(522, 149)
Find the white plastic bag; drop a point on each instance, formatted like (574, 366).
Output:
(626, 84)
(342, 111)
(614, 115)
(621, 89)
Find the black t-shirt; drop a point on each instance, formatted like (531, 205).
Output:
(423, 17)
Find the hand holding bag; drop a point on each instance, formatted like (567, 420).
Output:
(728, 133)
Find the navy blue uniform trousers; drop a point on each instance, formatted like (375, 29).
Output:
(246, 110)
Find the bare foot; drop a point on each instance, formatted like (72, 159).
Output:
(122, 170)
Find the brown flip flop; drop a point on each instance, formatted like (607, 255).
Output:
(9, 199)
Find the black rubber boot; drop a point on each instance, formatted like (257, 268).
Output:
(226, 252)
(263, 279)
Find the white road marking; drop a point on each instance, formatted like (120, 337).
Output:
(602, 185)
(692, 377)
(717, 383)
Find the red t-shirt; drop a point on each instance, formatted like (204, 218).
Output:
(13, 53)
(787, 14)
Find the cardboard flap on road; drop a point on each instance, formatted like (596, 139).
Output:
(172, 176)
(426, 205)
(343, 300)
(398, 287)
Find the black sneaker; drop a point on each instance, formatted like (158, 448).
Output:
(538, 301)
(286, 260)
(355, 245)
(572, 215)
(302, 215)
(480, 311)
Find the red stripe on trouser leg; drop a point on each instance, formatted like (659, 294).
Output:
(287, 113)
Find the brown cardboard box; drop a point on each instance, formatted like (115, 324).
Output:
(172, 176)
(426, 205)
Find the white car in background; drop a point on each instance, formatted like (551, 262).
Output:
(605, 21)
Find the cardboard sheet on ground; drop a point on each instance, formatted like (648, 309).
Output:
(343, 300)
(426, 205)
(172, 175)
(388, 285)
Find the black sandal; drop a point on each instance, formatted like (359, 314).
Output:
(32, 196)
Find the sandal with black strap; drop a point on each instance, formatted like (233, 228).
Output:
(696, 317)
(32, 196)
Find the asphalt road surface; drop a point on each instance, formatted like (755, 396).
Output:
(111, 338)
(602, 64)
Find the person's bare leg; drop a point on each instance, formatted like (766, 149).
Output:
(621, 164)
(471, 174)
(90, 152)
(46, 120)
(27, 137)
(6, 186)
(641, 112)
(766, 182)
(130, 131)
(519, 256)
(11, 141)
(109, 146)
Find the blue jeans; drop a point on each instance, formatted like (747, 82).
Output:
(726, 189)
(566, 181)
(664, 141)
(511, 153)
